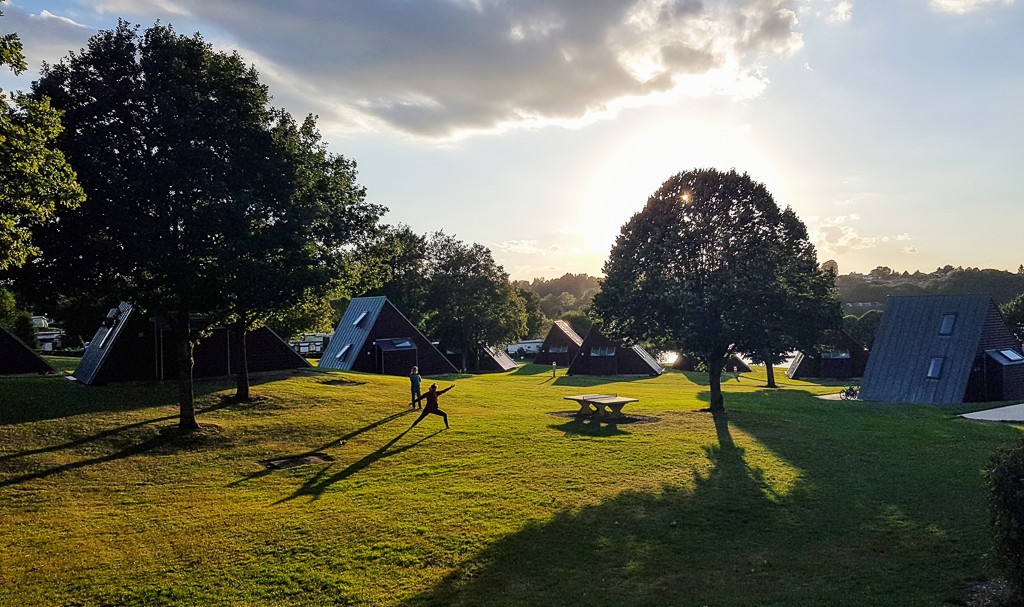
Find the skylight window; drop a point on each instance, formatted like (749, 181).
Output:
(362, 317)
(948, 320)
(344, 351)
(935, 368)
(1012, 355)
(405, 343)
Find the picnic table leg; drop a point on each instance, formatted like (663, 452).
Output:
(616, 409)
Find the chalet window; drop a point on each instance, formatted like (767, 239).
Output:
(344, 351)
(935, 368)
(362, 317)
(558, 349)
(602, 351)
(948, 320)
(1012, 355)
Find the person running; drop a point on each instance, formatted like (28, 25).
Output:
(431, 406)
(414, 384)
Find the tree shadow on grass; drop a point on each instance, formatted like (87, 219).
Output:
(633, 549)
(322, 480)
(797, 502)
(586, 381)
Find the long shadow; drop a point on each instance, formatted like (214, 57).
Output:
(583, 381)
(589, 426)
(332, 443)
(643, 549)
(532, 369)
(320, 482)
(78, 442)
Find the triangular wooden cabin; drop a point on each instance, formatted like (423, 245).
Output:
(561, 345)
(131, 347)
(487, 359)
(842, 357)
(689, 362)
(943, 349)
(374, 337)
(601, 355)
(18, 359)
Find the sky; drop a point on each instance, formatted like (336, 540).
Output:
(894, 129)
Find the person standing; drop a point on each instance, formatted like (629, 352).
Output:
(414, 385)
(431, 406)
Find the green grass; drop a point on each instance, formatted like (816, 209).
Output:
(795, 501)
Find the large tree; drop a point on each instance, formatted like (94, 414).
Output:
(291, 244)
(697, 266)
(195, 184)
(35, 180)
(472, 302)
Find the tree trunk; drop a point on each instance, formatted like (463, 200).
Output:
(770, 370)
(715, 364)
(242, 386)
(186, 397)
(465, 358)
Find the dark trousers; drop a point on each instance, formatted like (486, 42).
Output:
(427, 411)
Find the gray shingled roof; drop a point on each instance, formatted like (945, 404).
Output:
(908, 341)
(351, 333)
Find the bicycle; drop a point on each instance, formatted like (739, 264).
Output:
(850, 393)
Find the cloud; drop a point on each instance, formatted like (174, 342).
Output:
(911, 250)
(962, 7)
(445, 68)
(522, 247)
(842, 12)
(903, 236)
(44, 36)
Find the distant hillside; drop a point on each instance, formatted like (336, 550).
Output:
(874, 287)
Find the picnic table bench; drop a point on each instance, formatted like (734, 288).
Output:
(601, 404)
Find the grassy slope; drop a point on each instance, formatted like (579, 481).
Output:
(795, 501)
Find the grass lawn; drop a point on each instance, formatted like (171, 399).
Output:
(795, 501)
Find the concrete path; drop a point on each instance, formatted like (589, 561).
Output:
(1012, 413)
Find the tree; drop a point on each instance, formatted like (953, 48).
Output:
(535, 318)
(15, 319)
(189, 173)
(798, 299)
(1013, 313)
(289, 244)
(472, 302)
(698, 264)
(580, 320)
(35, 181)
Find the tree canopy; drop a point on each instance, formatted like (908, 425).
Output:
(36, 181)
(206, 204)
(702, 265)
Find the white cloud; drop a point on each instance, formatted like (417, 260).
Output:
(962, 7)
(521, 247)
(911, 250)
(441, 69)
(903, 236)
(842, 12)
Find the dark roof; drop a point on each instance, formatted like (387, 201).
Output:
(128, 346)
(618, 359)
(937, 334)
(102, 342)
(822, 365)
(501, 358)
(375, 321)
(16, 358)
(352, 332)
(560, 334)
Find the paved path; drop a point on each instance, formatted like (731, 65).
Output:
(1012, 413)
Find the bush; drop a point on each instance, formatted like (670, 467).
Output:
(1006, 509)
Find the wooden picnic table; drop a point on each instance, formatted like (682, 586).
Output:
(601, 403)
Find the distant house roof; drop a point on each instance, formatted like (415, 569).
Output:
(128, 346)
(841, 357)
(560, 346)
(373, 325)
(601, 355)
(16, 358)
(926, 347)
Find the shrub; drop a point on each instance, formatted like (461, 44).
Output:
(1006, 509)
